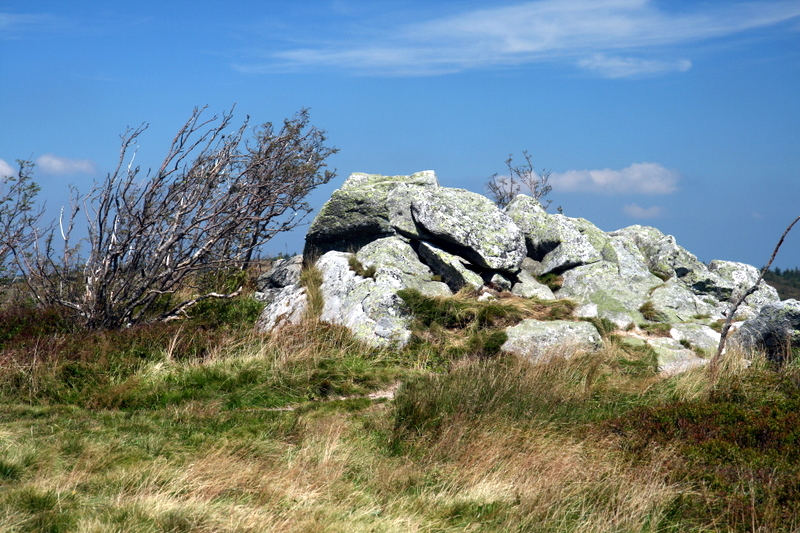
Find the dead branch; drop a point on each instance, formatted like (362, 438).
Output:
(736, 303)
(214, 200)
(503, 189)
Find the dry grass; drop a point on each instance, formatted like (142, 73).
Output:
(184, 440)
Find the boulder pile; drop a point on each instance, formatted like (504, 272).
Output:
(379, 234)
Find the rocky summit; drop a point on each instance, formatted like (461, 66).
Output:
(379, 234)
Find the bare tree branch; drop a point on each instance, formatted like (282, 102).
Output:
(738, 301)
(215, 199)
(503, 189)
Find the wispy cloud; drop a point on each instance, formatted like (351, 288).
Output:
(53, 164)
(615, 38)
(6, 170)
(13, 25)
(634, 211)
(627, 67)
(639, 178)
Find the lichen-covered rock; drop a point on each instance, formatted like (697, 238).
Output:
(369, 309)
(629, 260)
(399, 202)
(673, 357)
(531, 266)
(398, 266)
(664, 257)
(554, 240)
(498, 281)
(357, 213)
(598, 238)
(616, 297)
(537, 340)
(775, 330)
(529, 287)
(452, 268)
(284, 272)
(739, 277)
(473, 225)
(287, 307)
(680, 304)
(699, 336)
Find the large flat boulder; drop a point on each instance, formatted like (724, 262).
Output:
(357, 213)
(605, 292)
(678, 303)
(537, 340)
(472, 226)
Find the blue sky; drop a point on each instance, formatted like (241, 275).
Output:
(680, 115)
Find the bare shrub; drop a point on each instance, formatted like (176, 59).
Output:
(19, 214)
(214, 200)
(503, 189)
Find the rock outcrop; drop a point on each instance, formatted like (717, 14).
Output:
(775, 330)
(380, 234)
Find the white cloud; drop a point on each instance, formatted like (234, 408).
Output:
(6, 170)
(604, 36)
(53, 164)
(639, 178)
(627, 67)
(12, 25)
(635, 211)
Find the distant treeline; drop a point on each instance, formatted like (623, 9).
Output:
(787, 282)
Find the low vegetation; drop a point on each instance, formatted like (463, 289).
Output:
(786, 282)
(201, 425)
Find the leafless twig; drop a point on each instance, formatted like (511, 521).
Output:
(215, 199)
(736, 303)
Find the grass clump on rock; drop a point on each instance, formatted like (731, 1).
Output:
(448, 327)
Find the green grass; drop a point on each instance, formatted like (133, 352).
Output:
(201, 425)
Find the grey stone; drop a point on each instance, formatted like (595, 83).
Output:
(698, 335)
(673, 358)
(399, 202)
(628, 258)
(774, 330)
(680, 304)
(617, 297)
(740, 277)
(537, 340)
(398, 266)
(474, 226)
(357, 213)
(554, 240)
(452, 268)
(596, 237)
(528, 287)
(664, 256)
(288, 307)
(266, 296)
(369, 309)
(284, 272)
(499, 281)
(531, 266)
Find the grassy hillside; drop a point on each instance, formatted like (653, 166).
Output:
(203, 426)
